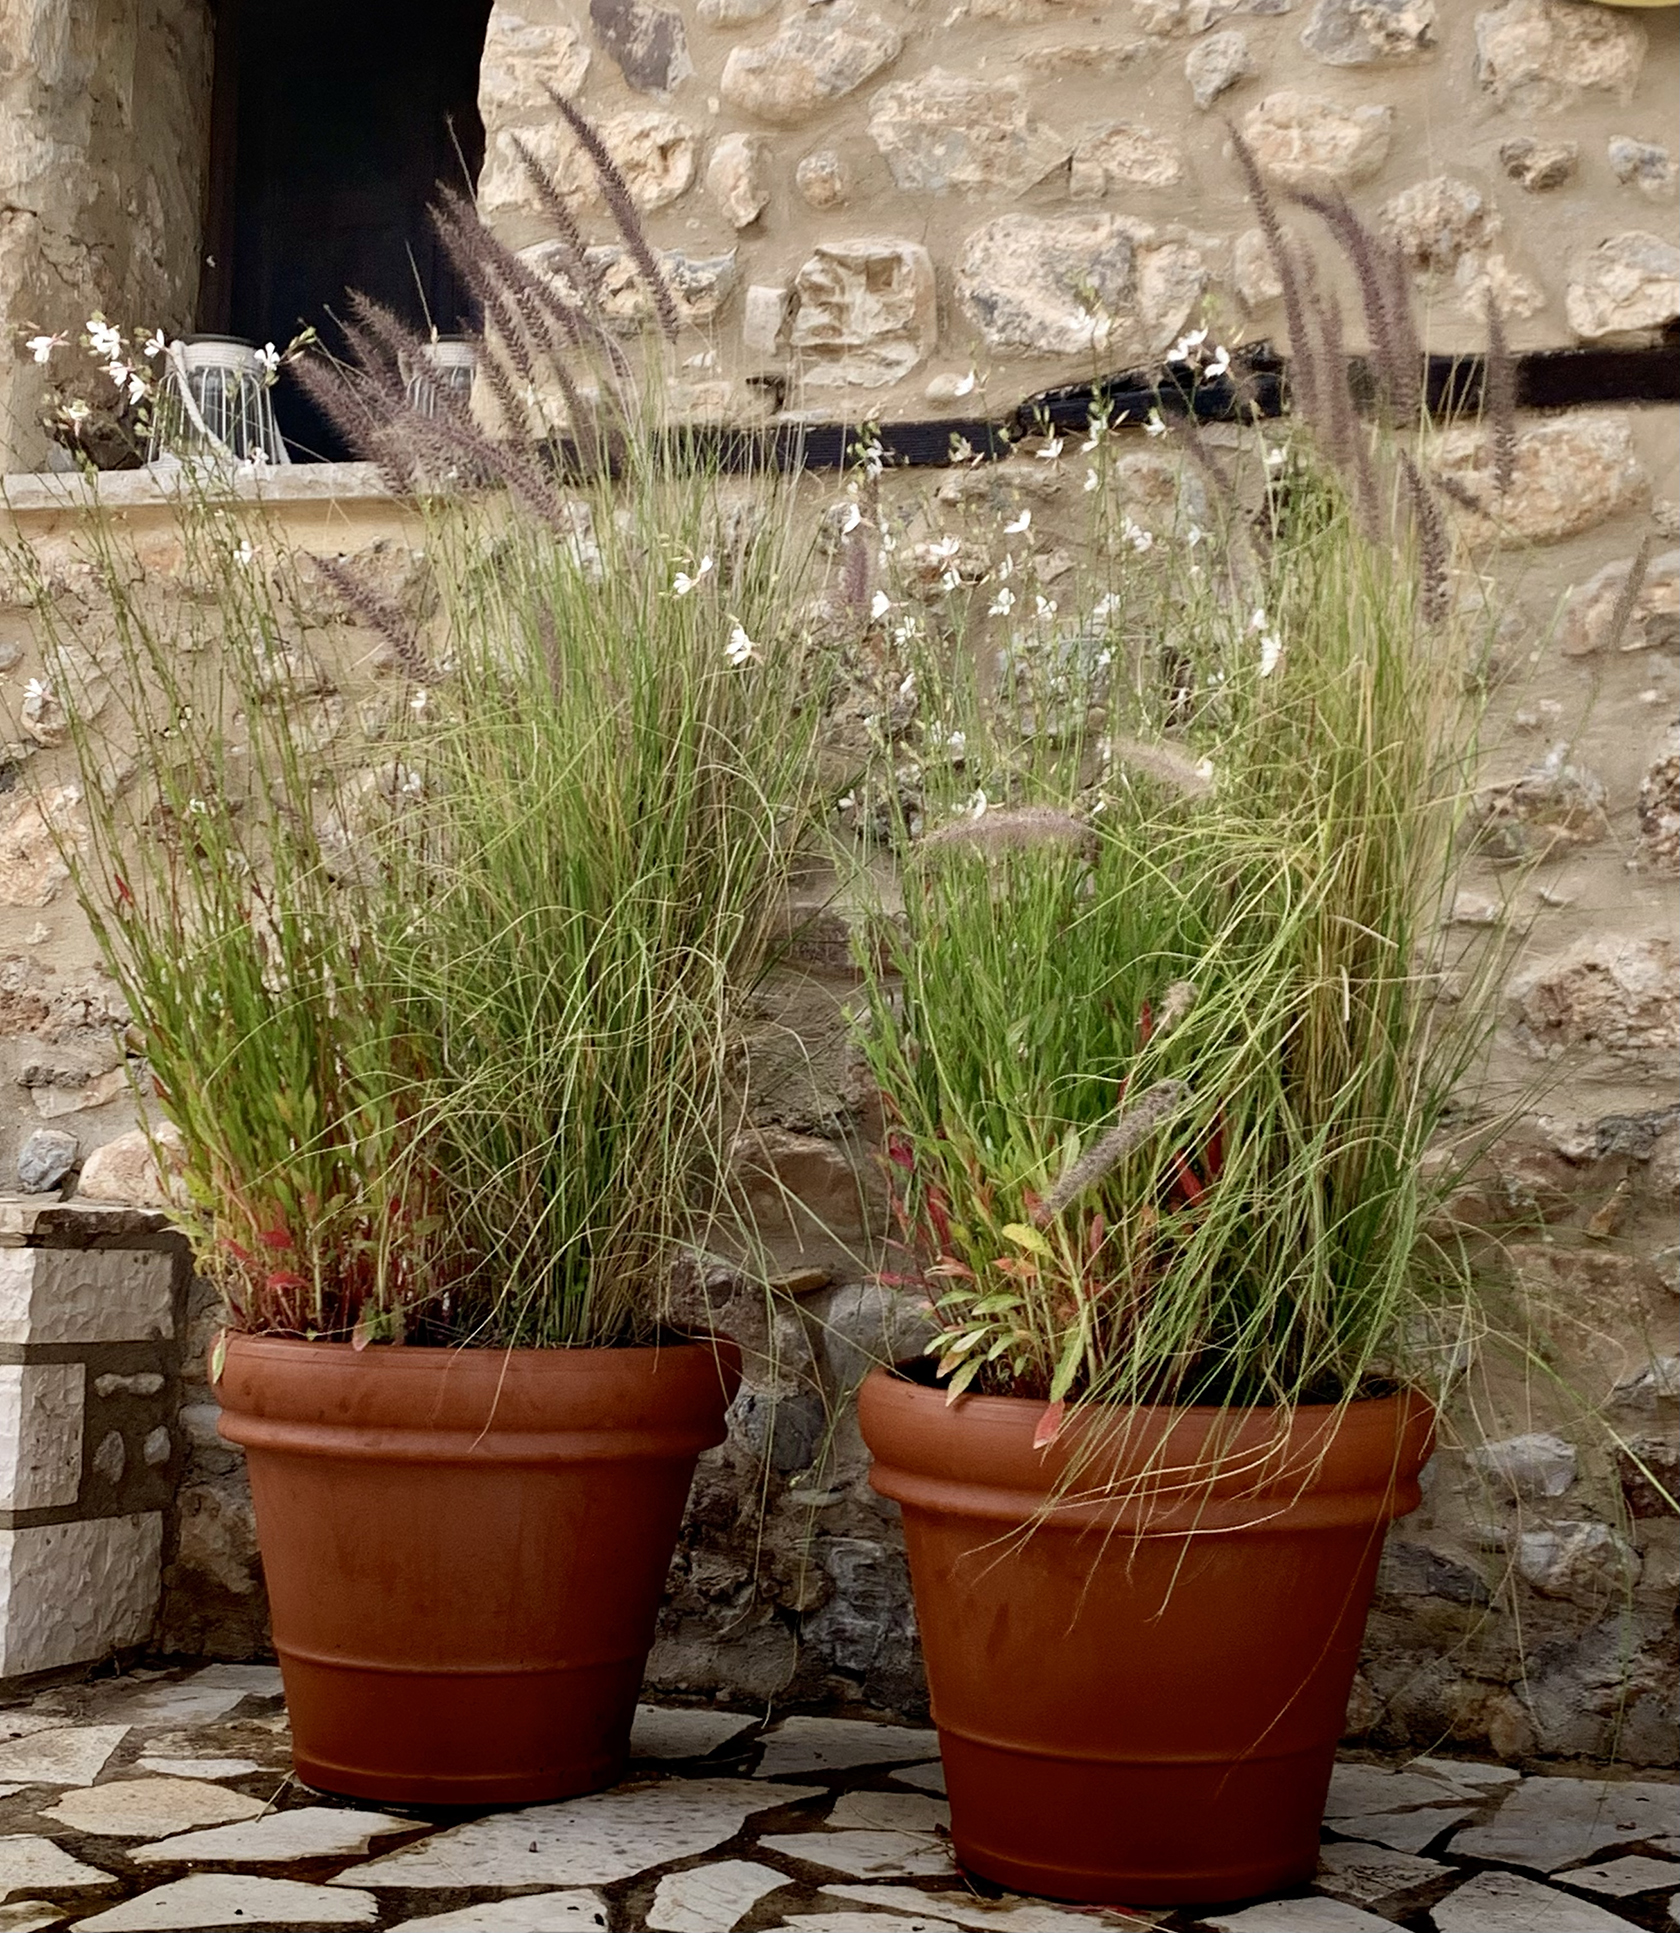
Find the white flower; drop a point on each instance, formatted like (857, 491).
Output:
(682, 583)
(907, 685)
(245, 554)
(1218, 363)
(950, 580)
(154, 344)
(41, 347)
(1135, 535)
(1275, 458)
(1006, 569)
(38, 689)
(947, 549)
(1154, 427)
(269, 357)
(1099, 429)
(1048, 452)
(1046, 607)
(850, 521)
(1186, 345)
(880, 605)
(977, 805)
(961, 449)
(119, 373)
(1193, 536)
(739, 649)
(1257, 619)
(871, 456)
(1091, 481)
(103, 340)
(419, 701)
(1002, 604)
(1022, 522)
(964, 385)
(1104, 608)
(1271, 653)
(76, 411)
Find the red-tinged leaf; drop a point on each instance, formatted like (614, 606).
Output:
(285, 1279)
(125, 896)
(1184, 1180)
(1215, 1158)
(890, 1281)
(1049, 1425)
(275, 1238)
(938, 1213)
(899, 1153)
(1098, 1229)
(1146, 1023)
(949, 1265)
(239, 1254)
(1017, 1267)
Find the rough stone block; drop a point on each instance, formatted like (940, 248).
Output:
(85, 1295)
(74, 1593)
(40, 1434)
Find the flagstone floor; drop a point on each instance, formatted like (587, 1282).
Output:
(162, 1800)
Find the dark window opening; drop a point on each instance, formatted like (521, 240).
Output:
(333, 124)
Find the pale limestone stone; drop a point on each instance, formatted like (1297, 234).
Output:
(1253, 272)
(865, 1855)
(1408, 1831)
(522, 60)
(1365, 1875)
(156, 1449)
(75, 1592)
(930, 1778)
(1069, 284)
(1358, 1789)
(1121, 155)
(1057, 59)
(28, 1915)
(1658, 850)
(1531, 1466)
(147, 1383)
(1362, 33)
(942, 131)
(1546, 812)
(1609, 991)
(124, 1171)
(864, 316)
(1438, 221)
(569, 1912)
(27, 1859)
(804, 1744)
(1584, 1561)
(59, 1755)
(1466, 1775)
(711, 1899)
(1644, 165)
(218, 1536)
(1009, 1914)
(648, 42)
(1488, 281)
(1299, 1916)
(84, 1295)
(655, 152)
(921, 1921)
(1569, 474)
(147, 1808)
(1628, 285)
(822, 179)
(1546, 1823)
(890, 1812)
(764, 313)
(41, 1434)
(66, 1090)
(1533, 55)
(251, 1681)
(309, 1832)
(31, 867)
(664, 1731)
(1305, 141)
(1215, 65)
(111, 1458)
(733, 13)
(198, 1768)
(738, 178)
(1622, 1878)
(699, 285)
(1507, 1903)
(1539, 165)
(229, 1899)
(583, 1842)
(817, 57)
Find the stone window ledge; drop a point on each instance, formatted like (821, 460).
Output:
(54, 493)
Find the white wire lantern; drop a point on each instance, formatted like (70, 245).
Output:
(215, 402)
(441, 375)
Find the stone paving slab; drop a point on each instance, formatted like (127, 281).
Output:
(807, 1824)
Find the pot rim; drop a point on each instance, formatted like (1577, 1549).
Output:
(431, 1351)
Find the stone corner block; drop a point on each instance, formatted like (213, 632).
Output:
(86, 1295)
(41, 1434)
(75, 1593)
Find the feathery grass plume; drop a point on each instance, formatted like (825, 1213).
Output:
(1405, 370)
(1133, 1128)
(584, 275)
(1010, 828)
(380, 614)
(1303, 376)
(1434, 545)
(857, 568)
(622, 207)
(1499, 400)
(1175, 1006)
(1627, 598)
(1166, 764)
(1338, 426)
(1387, 304)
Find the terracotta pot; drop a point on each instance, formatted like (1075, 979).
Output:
(465, 1550)
(1139, 1696)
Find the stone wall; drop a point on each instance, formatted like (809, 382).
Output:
(104, 144)
(885, 211)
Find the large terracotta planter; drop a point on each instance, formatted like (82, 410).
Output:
(465, 1550)
(1139, 1696)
